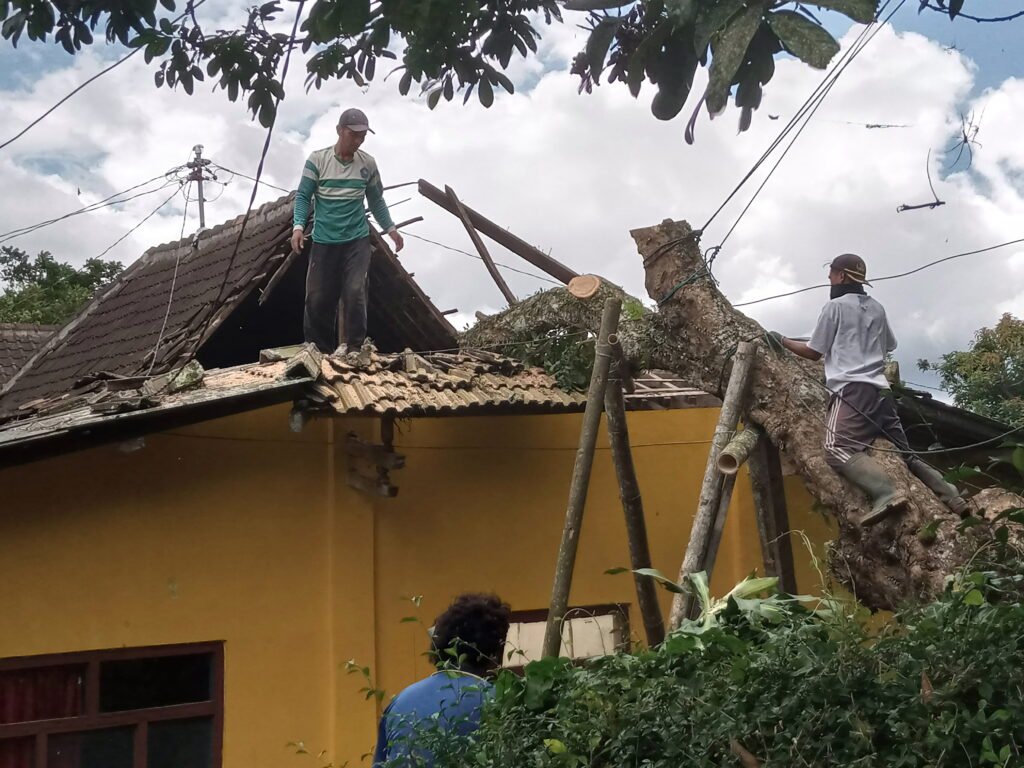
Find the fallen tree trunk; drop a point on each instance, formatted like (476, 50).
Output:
(694, 334)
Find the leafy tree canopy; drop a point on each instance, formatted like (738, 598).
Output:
(46, 291)
(988, 378)
(449, 47)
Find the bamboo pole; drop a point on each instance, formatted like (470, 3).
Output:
(738, 450)
(632, 508)
(728, 419)
(604, 352)
(485, 256)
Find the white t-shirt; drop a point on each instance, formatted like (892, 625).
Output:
(854, 336)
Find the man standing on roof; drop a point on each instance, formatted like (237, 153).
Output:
(339, 178)
(854, 336)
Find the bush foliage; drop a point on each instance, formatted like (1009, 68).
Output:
(775, 681)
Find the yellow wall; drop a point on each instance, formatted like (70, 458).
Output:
(239, 530)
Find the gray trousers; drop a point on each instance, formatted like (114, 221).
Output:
(857, 414)
(337, 271)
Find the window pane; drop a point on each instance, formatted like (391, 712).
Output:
(181, 744)
(18, 753)
(41, 693)
(109, 748)
(155, 682)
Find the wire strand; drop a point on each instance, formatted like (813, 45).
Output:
(174, 282)
(191, 7)
(887, 277)
(479, 258)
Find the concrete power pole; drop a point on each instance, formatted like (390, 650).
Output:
(198, 167)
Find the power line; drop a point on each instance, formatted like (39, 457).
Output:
(888, 277)
(805, 113)
(174, 281)
(250, 178)
(252, 197)
(191, 7)
(114, 199)
(478, 258)
(146, 218)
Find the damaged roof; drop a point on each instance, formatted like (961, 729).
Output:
(368, 383)
(18, 342)
(216, 309)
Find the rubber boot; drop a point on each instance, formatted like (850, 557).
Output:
(947, 492)
(866, 474)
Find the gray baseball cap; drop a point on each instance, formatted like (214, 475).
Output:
(354, 119)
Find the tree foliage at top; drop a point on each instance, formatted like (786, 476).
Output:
(449, 47)
(988, 378)
(46, 291)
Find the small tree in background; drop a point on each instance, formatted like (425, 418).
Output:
(45, 291)
(988, 378)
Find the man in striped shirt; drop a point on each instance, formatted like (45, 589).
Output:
(339, 178)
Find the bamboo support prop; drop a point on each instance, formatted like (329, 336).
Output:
(607, 343)
(481, 249)
(632, 507)
(736, 453)
(710, 491)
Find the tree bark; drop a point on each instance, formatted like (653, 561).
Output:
(694, 334)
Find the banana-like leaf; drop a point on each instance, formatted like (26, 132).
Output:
(863, 11)
(806, 40)
(728, 52)
(598, 43)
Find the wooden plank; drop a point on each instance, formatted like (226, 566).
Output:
(728, 419)
(727, 483)
(378, 455)
(501, 236)
(481, 249)
(632, 508)
(566, 561)
(769, 497)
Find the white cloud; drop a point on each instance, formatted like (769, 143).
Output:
(573, 174)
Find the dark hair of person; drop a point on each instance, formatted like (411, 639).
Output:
(470, 634)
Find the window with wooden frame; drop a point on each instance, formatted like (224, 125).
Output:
(154, 707)
(587, 631)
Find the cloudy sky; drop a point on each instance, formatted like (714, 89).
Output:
(573, 174)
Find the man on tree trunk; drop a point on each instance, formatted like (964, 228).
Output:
(854, 336)
(340, 178)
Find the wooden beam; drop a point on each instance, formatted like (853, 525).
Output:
(632, 508)
(606, 342)
(501, 236)
(460, 211)
(728, 482)
(728, 419)
(769, 494)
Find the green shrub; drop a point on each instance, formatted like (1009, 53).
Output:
(770, 680)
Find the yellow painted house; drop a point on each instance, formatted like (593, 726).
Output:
(186, 568)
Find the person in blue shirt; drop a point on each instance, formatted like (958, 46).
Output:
(467, 643)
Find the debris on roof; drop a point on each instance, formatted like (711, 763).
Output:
(111, 407)
(18, 342)
(224, 308)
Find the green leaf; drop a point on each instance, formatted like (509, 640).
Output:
(598, 43)
(955, 6)
(728, 51)
(711, 20)
(681, 12)
(353, 16)
(555, 747)
(974, 597)
(863, 11)
(638, 61)
(594, 5)
(1018, 459)
(433, 98)
(806, 40)
(485, 92)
